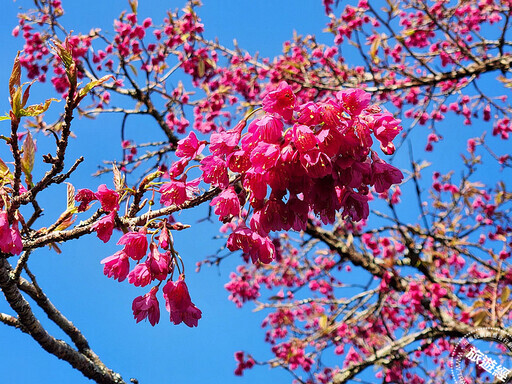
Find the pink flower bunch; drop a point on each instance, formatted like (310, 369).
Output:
(179, 303)
(243, 363)
(156, 267)
(242, 287)
(36, 56)
(321, 163)
(294, 353)
(147, 307)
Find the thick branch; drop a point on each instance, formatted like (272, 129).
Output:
(58, 318)
(58, 348)
(366, 261)
(386, 354)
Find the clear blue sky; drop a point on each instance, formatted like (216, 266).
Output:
(101, 307)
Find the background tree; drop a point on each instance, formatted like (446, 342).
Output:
(344, 289)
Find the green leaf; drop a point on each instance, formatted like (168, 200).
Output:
(4, 118)
(3, 167)
(5, 173)
(63, 51)
(132, 67)
(15, 79)
(374, 48)
(65, 220)
(85, 90)
(322, 322)
(16, 102)
(479, 317)
(26, 94)
(27, 161)
(505, 294)
(201, 68)
(35, 110)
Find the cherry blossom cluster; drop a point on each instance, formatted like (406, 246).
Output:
(152, 266)
(156, 267)
(37, 57)
(322, 163)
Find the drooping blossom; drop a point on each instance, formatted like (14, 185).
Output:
(10, 237)
(140, 276)
(84, 196)
(224, 143)
(177, 168)
(304, 138)
(158, 263)
(269, 129)
(147, 307)
(108, 198)
(355, 205)
(226, 204)
(116, 266)
(15, 246)
(164, 239)
(239, 161)
(135, 244)
(5, 232)
(259, 248)
(273, 216)
(384, 175)
(105, 226)
(179, 303)
(264, 156)
(354, 101)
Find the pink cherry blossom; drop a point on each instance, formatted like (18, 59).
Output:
(384, 175)
(135, 244)
(147, 307)
(108, 198)
(84, 196)
(227, 204)
(269, 129)
(164, 240)
(158, 263)
(264, 156)
(177, 192)
(355, 205)
(116, 266)
(215, 171)
(224, 143)
(15, 246)
(386, 128)
(281, 101)
(190, 146)
(354, 101)
(5, 232)
(140, 276)
(105, 226)
(257, 247)
(179, 303)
